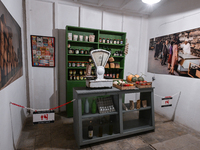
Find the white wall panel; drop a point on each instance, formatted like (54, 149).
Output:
(112, 21)
(131, 25)
(176, 16)
(14, 92)
(42, 79)
(67, 15)
(90, 18)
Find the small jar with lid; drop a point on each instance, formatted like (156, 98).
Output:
(117, 41)
(76, 51)
(74, 77)
(81, 72)
(90, 60)
(104, 40)
(111, 41)
(92, 72)
(70, 72)
(86, 51)
(92, 64)
(84, 78)
(84, 72)
(100, 40)
(69, 63)
(121, 42)
(78, 64)
(81, 77)
(82, 51)
(82, 64)
(113, 76)
(70, 77)
(70, 51)
(73, 64)
(107, 41)
(117, 54)
(114, 41)
(74, 72)
(77, 77)
(121, 53)
(69, 45)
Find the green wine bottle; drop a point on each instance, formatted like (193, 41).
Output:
(94, 106)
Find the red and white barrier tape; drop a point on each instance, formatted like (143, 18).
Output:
(41, 109)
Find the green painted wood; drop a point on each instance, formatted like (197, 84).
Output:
(84, 57)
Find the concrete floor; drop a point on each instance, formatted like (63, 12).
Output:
(59, 136)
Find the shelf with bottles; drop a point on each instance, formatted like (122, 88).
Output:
(100, 127)
(98, 106)
(114, 73)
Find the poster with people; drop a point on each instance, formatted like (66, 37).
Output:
(176, 54)
(10, 48)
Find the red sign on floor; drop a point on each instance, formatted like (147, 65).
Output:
(43, 117)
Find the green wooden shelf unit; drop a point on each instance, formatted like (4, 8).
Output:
(70, 84)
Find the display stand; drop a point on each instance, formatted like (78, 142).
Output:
(121, 126)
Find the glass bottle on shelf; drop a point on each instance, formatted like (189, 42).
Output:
(117, 74)
(90, 130)
(100, 128)
(86, 106)
(107, 73)
(94, 106)
(110, 127)
(110, 73)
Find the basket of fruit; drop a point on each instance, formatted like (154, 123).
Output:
(123, 84)
(138, 81)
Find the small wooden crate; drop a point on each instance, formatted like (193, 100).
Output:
(140, 85)
(124, 87)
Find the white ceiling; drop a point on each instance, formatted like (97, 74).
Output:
(126, 6)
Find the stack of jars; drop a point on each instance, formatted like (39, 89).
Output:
(77, 64)
(77, 51)
(78, 74)
(110, 41)
(118, 53)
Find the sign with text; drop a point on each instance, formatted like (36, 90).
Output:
(43, 117)
(166, 101)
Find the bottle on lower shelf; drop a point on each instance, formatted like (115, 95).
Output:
(90, 131)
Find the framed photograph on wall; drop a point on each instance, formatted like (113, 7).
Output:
(11, 65)
(43, 51)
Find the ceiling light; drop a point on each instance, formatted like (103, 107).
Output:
(150, 1)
